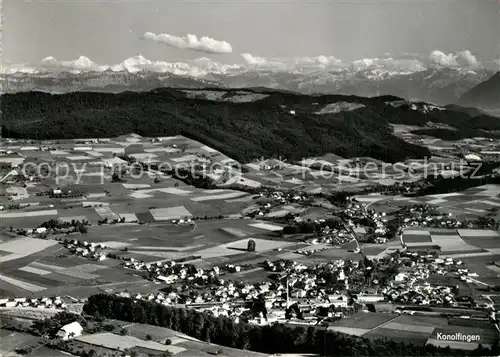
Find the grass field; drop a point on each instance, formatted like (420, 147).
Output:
(415, 337)
(468, 204)
(266, 226)
(21, 214)
(453, 242)
(113, 341)
(424, 329)
(192, 347)
(10, 340)
(164, 214)
(365, 320)
(237, 247)
(48, 352)
(222, 196)
(416, 236)
(397, 326)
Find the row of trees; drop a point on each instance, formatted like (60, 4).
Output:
(276, 338)
(75, 225)
(477, 177)
(309, 227)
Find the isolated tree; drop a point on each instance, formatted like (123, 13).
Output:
(371, 307)
(251, 245)
(115, 177)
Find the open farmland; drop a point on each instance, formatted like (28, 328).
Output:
(43, 351)
(113, 341)
(207, 239)
(10, 341)
(467, 204)
(153, 217)
(88, 168)
(487, 336)
(416, 329)
(365, 320)
(191, 346)
(39, 266)
(455, 243)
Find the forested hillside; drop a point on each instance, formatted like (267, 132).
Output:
(282, 124)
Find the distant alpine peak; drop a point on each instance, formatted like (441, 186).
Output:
(439, 82)
(380, 66)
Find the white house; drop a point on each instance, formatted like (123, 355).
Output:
(41, 230)
(70, 331)
(370, 298)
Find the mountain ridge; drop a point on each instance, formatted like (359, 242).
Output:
(439, 85)
(485, 95)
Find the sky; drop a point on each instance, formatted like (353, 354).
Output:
(110, 31)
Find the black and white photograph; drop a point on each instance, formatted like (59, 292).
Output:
(249, 178)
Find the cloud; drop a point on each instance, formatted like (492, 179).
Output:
(284, 64)
(331, 63)
(81, 64)
(440, 58)
(389, 64)
(194, 68)
(190, 42)
(467, 59)
(52, 65)
(197, 67)
(463, 59)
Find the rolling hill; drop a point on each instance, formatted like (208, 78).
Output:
(244, 124)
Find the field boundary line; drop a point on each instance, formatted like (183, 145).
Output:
(382, 324)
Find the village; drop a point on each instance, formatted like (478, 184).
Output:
(245, 246)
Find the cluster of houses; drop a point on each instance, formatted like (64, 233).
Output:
(357, 212)
(411, 285)
(237, 300)
(306, 285)
(159, 298)
(172, 272)
(332, 236)
(427, 216)
(276, 198)
(44, 302)
(93, 251)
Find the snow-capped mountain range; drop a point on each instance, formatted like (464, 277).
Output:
(440, 78)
